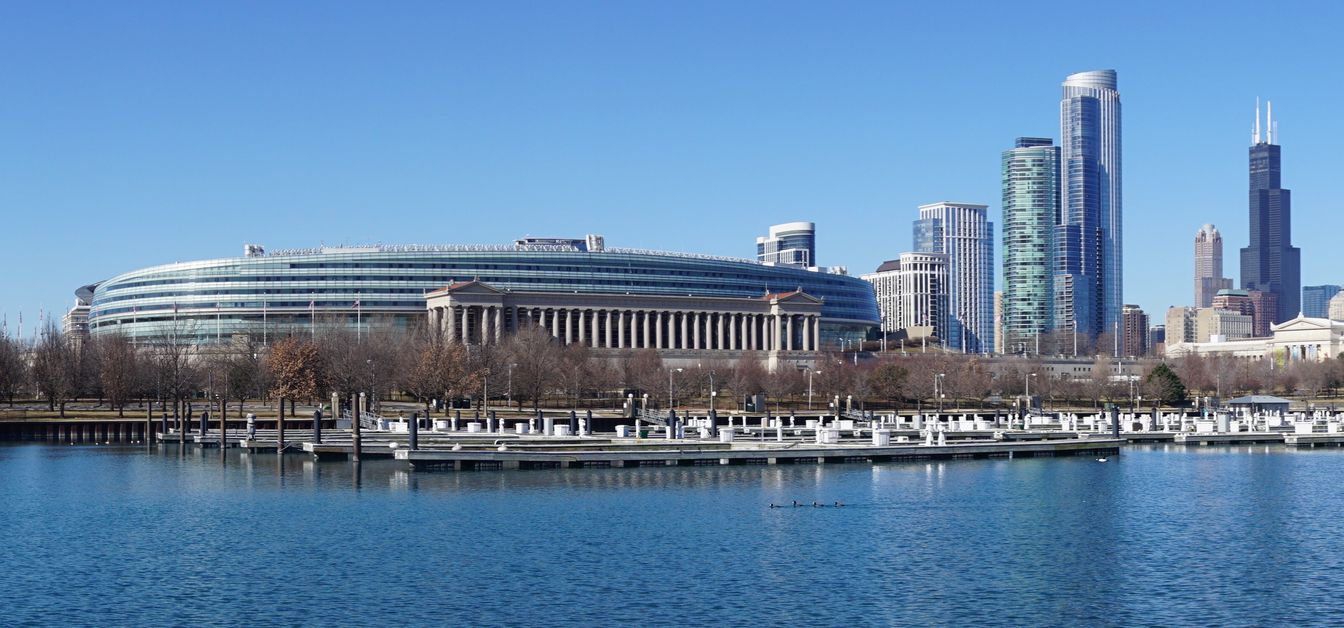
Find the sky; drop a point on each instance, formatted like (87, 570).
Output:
(140, 133)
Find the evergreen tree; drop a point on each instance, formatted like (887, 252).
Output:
(1166, 384)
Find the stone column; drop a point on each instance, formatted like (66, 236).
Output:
(499, 323)
(718, 320)
(816, 333)
(788, 338)
(569, 327)
(466, 325)
(648, 335)
(659, 328)
(555, 323)
(620, 329)
(451, 312)
(695, 330)
(610, 317)
(685, 331)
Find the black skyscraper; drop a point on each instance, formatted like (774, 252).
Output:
(1271, 263)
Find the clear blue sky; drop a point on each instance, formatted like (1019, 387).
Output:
(140, 133)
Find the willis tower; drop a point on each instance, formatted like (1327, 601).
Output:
(1271, 263)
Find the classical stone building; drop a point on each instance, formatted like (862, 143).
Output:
(1301, 338)
(782, 327)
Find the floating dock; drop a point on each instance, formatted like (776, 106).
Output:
(691, 453)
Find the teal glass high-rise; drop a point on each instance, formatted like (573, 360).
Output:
(1030, 212)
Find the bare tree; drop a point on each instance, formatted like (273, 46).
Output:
(748, 376)
(13, 369)
(437, 368)
(296, 366)
(537, 358)
(119, 365)
(55, 368)
(888, 381)
(783, 385)
(642, 370)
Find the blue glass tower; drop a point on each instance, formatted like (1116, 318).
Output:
(1088, 283)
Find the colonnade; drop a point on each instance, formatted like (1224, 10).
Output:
(634, 328)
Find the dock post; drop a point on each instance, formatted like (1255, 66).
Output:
(713, 423)
(251, 426)
(280, 429)
(671, 424)
(1115, 422)
(317, 426)
(205, 422)
(413, 431)
(588, 427)
(149, 424)
(573, 423)
(354, 432)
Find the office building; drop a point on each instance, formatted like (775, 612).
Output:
(1215, 325)
(1209, 277)
(1316, 300)
(963, 233)
(1089, 278)
(912, 295)
(1271, 263)
(789, 244)
(1030, 210)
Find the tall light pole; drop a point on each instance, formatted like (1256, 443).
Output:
(509, 395)
(938, 390)
(670, 372)
(810, 373)
(1027, 413)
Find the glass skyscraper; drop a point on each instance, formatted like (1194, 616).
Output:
(1271, 263)
(1316, 300)
(1088, 280)
(963, 232)
(1030, 212)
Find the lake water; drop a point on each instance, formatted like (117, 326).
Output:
(1161, 535)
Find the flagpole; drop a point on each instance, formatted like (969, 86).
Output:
(263, 323)
(312, 318)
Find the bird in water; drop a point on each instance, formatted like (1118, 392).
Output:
(773, 506)
(816, 505)
(795, 503)
(1102, 459)
(839, 504)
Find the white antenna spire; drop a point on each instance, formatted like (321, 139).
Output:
(1269, 122)
(1255, 135)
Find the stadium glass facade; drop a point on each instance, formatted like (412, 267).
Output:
(265, 296)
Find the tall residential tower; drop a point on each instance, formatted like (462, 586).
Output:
(963, 233)
(1209, 277)
(1030, 212)
(1271, 263)
(1088, 281)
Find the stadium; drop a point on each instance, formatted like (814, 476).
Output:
(265, 295)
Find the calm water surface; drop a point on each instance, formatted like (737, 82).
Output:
(1162, 536)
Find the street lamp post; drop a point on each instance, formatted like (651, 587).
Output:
(810, 373)
(509, 395)
(1027, 412)
(938, 390)
(670, 372)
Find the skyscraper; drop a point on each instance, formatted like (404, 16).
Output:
(963, 233)
(1316, 300)
(1271, 263)
(791, 244)
(1088, 239)
(1209, 277)
(1030, 212)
